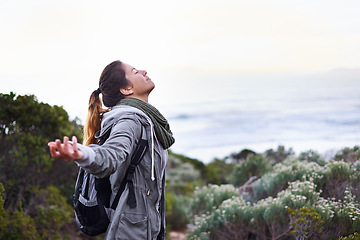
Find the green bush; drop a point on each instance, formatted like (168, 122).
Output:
(338, 175)
(208, 198)
(305, 222)
(284, 173)
(348, 154)
(229, 221)
(52, 212)
(241, 156)
(254, 165)
(354, 236)
(219, 172)
(278, 155)
(303, 207)
(198, 165)
(176, 213)
(181, 177)
(16, 225)
(312, 156)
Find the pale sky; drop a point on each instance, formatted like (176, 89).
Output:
(57, 49)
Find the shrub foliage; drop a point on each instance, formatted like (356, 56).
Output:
(37, 190)
(300, 198)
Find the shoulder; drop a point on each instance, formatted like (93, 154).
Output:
(119, 113)
(130, 122)
(123, 119)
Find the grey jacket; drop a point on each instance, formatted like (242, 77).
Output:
(147, 219)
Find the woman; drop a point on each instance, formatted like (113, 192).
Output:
(125, 90)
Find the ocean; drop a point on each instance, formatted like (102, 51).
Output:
(214, 115)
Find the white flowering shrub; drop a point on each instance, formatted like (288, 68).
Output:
(356, 165)
(305, 190)
(338, 175)
(288, 171)
(269, 216)
(208, 198)
(339, 169)
(348, 212)
(225, 221)
(297, 200)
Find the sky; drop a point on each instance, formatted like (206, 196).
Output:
(57, 49)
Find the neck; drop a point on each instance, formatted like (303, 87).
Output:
(142, 98)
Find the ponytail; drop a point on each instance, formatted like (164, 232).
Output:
(93, 120)
(112, 79)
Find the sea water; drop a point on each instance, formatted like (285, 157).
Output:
(214, 115)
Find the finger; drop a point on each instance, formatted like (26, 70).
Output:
(68, 153)
(58, 146)
(75, 148)
(52, 148)
(74, 140)
(79, 153)
(66, 145)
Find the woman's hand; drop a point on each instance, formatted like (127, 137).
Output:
(66, 151)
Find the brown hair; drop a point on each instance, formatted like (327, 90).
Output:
(112, 79)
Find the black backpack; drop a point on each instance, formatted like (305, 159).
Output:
(92, 195)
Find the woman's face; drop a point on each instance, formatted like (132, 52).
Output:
(140, 84)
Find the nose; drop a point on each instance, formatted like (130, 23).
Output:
(142, 72)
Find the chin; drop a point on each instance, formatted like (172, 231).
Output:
(153, 86)
(151, 90)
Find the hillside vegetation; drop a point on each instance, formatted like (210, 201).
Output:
(247, 195)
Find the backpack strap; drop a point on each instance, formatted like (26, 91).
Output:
(138, 155)
(102, 185)
(105, 136)
(135, 160)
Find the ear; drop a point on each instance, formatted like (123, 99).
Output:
(127, 91)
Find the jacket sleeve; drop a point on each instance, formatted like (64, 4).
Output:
(115, 153)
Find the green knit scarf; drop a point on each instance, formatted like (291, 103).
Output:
(161, 125)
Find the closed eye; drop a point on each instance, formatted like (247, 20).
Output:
(136, 72)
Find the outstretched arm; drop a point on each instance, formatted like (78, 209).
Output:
(65, 150)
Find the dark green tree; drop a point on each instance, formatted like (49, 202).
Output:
(278, 155)
(312, 156)
(26, 126)
(241, 156)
